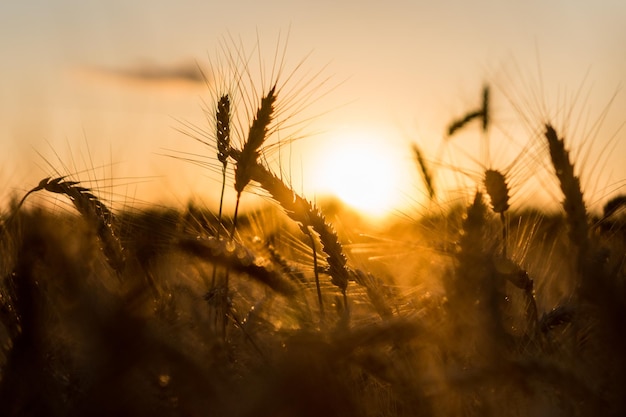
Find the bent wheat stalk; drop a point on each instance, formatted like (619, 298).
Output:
(94, 211)
(303, 212)
(308, 216)
(482, 113)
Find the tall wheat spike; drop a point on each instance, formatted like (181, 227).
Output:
(498, 191)
(428, 179)
(93, 210)
(250, 151)
(573, 202)
(485, 112)
(256, 136)
(222, 135)
(222, 127)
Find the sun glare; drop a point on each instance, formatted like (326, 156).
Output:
(363, 171)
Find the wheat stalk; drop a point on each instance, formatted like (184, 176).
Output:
(482, 113)
(222, 135)
(573, 202)
(485, 112)
(222, 127)
(459, 123)
(250, 151)
(307, 215)
(498, 191)
(426, 176)
(256, 136)
(91, 209)
(303, 212)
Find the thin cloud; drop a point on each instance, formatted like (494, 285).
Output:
(150, 73)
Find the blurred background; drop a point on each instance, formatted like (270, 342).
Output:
(102, 90)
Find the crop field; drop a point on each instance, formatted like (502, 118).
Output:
(476, 306)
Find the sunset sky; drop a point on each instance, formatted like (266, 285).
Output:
(105, 88)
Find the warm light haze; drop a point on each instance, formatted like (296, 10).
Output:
(103, 91)
(315, 209)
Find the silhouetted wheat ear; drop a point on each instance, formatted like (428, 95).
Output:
(428, 180)
(472, 241)
(498, 190)
(256, 136)
(573, 203)
(485, 111)
(303, 212)
(458, 124)
(613, 205)
(94, 211)
(222, 134)
(483, 114)
(222, 124)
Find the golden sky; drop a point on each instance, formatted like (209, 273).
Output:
(105, 87)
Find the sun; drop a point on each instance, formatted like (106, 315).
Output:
(363, 171)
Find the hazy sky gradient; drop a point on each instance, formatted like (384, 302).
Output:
(402, 71)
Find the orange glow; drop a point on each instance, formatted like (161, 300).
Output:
(363, 171)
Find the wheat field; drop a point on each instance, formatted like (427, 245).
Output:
(478, 307)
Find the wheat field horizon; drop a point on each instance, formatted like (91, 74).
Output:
(491, 282)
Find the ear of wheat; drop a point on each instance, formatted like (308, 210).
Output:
(498, 191)
(256, 136)
(94, 211)
(485, 112)
(482, 113)
(573, 202)
(471, 250)
(613, 205)
(458, 124)
(300, 210)
(428, 180)
(250, 151)
(222, 127)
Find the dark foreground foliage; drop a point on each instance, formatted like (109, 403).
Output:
(442, 325)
